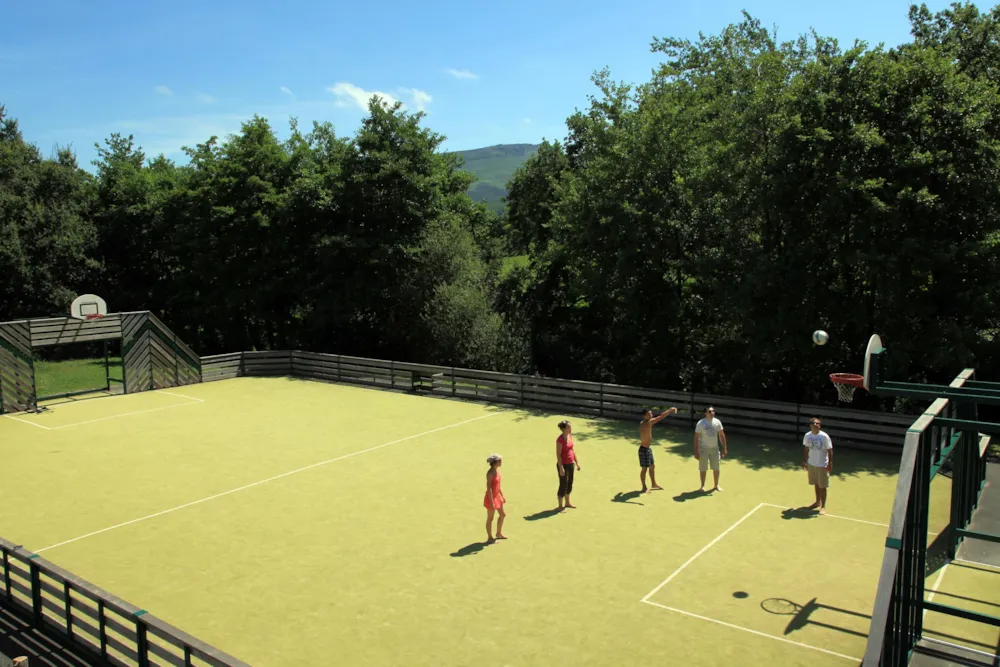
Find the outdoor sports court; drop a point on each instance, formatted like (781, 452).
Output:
(296, 522)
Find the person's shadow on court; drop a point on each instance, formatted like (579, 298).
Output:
(799, 513)
(685, 496)
(544, 514)
(627, 497)
(470, 549)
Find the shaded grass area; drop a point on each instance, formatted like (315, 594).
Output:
(375, 551)
(63, 377)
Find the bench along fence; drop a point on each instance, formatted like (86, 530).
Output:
(93, 621)
(853, 428)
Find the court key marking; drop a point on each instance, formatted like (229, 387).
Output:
(645, 599)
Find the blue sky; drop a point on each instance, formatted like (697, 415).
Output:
(175, 73)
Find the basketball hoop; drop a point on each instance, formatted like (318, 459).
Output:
(846, 383)
(87, 307)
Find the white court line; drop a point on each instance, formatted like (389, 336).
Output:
(834, 516)
(193, 401)
(975, 562)
(264, 481)
(739, 627)
(703, 550)
(172, 393)
(934, 588)
(25, 421)
(754, 632)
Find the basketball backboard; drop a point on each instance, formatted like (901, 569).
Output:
(88, 307)
(846, 383)
(873, 366)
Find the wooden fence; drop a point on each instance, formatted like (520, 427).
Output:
(153, 357)
(95, 621)
(852, 428)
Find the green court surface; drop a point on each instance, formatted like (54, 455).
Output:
(291, 522)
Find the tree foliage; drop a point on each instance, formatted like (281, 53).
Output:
(688, 232)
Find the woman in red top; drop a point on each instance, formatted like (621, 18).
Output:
(566, 461)
(494, 500)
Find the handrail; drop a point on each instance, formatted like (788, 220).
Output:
(92, 620)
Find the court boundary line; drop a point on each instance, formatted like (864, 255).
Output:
(191, 401)
(264, 481)
(25, 421)
(645, 599)
(834, 516)
(934, 588)
(754, 632)
(705, 548)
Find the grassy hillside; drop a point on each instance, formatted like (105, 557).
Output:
(494, 166)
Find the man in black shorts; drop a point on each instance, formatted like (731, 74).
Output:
(645, 441)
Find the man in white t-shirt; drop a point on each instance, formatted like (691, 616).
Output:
(707, 436)
(817, 460)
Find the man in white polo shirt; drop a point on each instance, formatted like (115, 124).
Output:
(817, 460)
(707, 435)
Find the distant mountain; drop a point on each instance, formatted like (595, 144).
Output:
(494, 166)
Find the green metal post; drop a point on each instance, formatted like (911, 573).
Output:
(958, 491)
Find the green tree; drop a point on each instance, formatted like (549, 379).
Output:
(46, 238)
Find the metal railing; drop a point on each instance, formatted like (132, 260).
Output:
(93, 621)
(946, 432)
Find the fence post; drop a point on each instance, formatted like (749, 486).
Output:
(520, 389)
(102, 629)
(141, 642)
(452, 380)
(147, 331)
(601, 406)
(69, 609)
(6, 573)
(121, 351)
(177, 363)
(338, 368)
(392, 374)
(291, 364)
(36, 589)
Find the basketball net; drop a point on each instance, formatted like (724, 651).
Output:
(846, 384)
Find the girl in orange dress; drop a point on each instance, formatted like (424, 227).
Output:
(494, 500)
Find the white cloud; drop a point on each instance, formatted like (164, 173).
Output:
(526, 121)
(348, 94)
(163, 90)
(462, 73)
(206, 99)
(420, 98)
(287, 91)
